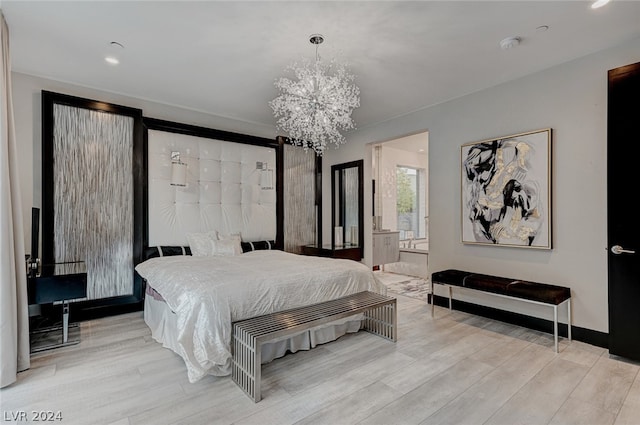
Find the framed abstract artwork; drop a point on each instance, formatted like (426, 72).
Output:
(506, 191)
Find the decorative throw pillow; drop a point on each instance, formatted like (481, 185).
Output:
(257, 245)
(200, 244)
(226, 247)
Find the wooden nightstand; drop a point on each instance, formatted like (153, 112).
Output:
(347, 252)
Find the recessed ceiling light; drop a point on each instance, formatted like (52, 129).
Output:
(542, 28)
(599, 3)
(112, 60)
(510, 42)
(116, 44)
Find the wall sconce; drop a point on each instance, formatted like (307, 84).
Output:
(178, 170)
(266, 175)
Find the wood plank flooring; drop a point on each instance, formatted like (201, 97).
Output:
(454, 369)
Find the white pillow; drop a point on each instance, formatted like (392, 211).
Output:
(226, 247)
(200, 244)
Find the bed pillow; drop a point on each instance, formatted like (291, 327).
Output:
(226, 247)
(165, 251)
(257, 245)
(200, 244)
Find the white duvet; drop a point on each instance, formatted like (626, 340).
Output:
(209, 293)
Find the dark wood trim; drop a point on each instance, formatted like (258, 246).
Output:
(589, 336)
(144, 208)
(359, 164)
(139, 190)
(280, 195)
(47, 254)
(318, 199)
(210, 133)
(49, 99)
(361, 207)
(335, 220)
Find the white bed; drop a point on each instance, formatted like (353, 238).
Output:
(225, 198)
(202, 296)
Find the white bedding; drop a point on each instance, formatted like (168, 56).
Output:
(207, 294)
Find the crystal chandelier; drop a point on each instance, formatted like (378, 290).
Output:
(315, 107)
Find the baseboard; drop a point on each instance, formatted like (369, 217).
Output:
(599, 339)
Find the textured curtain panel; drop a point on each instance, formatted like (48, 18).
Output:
(93, 199)
(351, 214)
(300, 216)
(14, 316)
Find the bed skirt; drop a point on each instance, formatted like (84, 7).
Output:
(163, 324)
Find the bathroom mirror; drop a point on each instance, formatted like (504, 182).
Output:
(347, 200)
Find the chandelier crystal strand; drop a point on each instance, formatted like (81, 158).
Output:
(317, 105)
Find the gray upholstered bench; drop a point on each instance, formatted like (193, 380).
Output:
(380, 318)
(532, 292)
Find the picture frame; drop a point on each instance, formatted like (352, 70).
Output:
(506, 191)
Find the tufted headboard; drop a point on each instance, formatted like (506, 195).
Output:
(225, 189)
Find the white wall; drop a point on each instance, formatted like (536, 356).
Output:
(28, 118)
(572, 100)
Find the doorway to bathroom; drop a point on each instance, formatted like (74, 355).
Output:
(400, 199)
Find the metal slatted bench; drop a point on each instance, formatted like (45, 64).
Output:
(380, 318)
(532, 292)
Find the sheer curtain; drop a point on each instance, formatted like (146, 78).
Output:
(300, 214)
(14, 315)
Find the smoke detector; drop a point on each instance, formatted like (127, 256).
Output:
(510, 42)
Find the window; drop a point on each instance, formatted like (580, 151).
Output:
(411, 202)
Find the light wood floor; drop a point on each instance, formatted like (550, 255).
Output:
(456, 369)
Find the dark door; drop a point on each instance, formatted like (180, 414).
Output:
(623, 176)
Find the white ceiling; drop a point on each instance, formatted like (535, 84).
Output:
(222, 57)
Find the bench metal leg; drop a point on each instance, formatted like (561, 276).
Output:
(555, 326)
(246, 363)
(569, 319)
(433, 298)
(555, 322)
(257, 371)
(382, 321)
(65, 322)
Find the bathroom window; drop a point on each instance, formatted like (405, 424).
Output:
(411, 202)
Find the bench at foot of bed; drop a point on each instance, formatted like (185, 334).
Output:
(380, 318)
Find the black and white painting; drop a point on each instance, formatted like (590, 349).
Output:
(506, 185)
